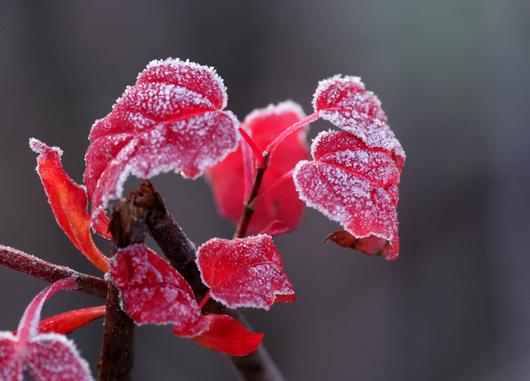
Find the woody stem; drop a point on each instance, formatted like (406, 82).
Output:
(117, 352)
(50, 272)
(248, 210)
(180, 251)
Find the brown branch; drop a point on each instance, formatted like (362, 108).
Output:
(180, 251)
(50, 272)
(117, 353)
(173, 242)
(248, 210)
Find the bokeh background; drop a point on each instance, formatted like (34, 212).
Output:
(454, 78)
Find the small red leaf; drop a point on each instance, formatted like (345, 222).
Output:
(226, 334)
(42, 357)
(356, 186)
(279, 205)
(245, 272)
(71, 321)
(153, 292)
(170, 120)
(346, 103)
(68, 201)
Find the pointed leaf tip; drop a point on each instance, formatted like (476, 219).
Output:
(68, 322)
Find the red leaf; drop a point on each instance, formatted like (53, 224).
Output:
(68, 201)
(226, 334)
(356, 186)
(280, 206)
(101, 225)
(344, 102)
(170, 120)
(153, 292)
(42, 357)
(245, 272)
(71, 321)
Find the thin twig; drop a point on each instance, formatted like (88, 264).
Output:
(50, 272)
(248, 210)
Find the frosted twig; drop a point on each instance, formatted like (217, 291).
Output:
(50, 272)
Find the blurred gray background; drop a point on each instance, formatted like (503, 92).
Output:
(454, 78)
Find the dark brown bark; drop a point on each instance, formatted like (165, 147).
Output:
(117, 354)
(180, 251)
(50, 272)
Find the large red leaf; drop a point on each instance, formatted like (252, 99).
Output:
(226, 334)
(68, 201)
(39, 356)
(278, 210)
(170, 120)
(356, 186)
(346, 103)
(245, 272)
(153, 292)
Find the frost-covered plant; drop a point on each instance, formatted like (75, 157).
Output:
(261, 173)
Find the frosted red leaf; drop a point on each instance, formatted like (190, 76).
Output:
(68, 322)
(31, 355)
(172, 119)
(345, 102)
(278, 210)
(153, 292)
(244, 272)
(68, 201)
(356, 186)
(226, 334)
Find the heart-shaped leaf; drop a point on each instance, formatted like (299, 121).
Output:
(356, 186)
(68, 201)
(278, 209)
(170, 120)
(39, 356)
(244, 272)
(346, 103)
(153, 292)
